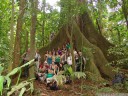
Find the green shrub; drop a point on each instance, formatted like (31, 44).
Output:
(21, 86)
(126, 85)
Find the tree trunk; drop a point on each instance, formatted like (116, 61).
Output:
(11, 38)
(16, 58)
(90, 32)
(85, 35)
(43, 23)
(32, 33)
(118, 36)
(97, 61)
(27, 40)
(125, 11)
(99, 27)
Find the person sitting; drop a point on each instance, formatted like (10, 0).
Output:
(51, 72)
(49, 76)
(61, 68)
(41, 74)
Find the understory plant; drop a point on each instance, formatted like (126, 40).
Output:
(68, 72)
(5, 82)
(120, 64)
(121, 54)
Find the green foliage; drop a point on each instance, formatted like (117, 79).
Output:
(23, 85)
(17, 86)
(1, 84)
(121, 52)
(1, 68)
(105, 90)
(8, 81)
(22, 91)
(4, 29)
(50, 18)
(60, 79)
(93, 77)
(70, 9)
(97, 90)
(79, 75)
(126, 85)
(68, 71)
(118, 86)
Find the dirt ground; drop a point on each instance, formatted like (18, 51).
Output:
(73, 89)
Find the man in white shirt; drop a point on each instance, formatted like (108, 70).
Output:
(69, 59)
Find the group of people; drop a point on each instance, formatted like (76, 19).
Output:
(53, 62)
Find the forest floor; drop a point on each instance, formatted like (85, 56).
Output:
(77, 88)
(73, 89)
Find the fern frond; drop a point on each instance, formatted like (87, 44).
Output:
(60, 79)
(79, 75)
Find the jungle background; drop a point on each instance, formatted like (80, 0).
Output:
(97, 27)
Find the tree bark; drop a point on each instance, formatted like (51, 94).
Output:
(125, 11)
(90, 32)
(43, 23)
(16, 57)
(32, 33)
(27, 40)
(11, 37)
(97, 61)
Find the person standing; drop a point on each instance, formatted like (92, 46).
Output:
(82, 62)
(26, 58)
(69, 59)
(49, 58)
(37, 60)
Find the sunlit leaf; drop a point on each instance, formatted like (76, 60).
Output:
(1, 84)
(22, 91)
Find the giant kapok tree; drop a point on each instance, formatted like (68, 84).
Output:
(77, 27)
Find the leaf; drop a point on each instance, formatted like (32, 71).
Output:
(8, 80)
(70, 70)
(22, 91)
(1, 69)
(80, 75)
(1, 84)
(60, 79)
(17, 87)
(31, 87)
(60, 73)
(28, 63)
(14, 71)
